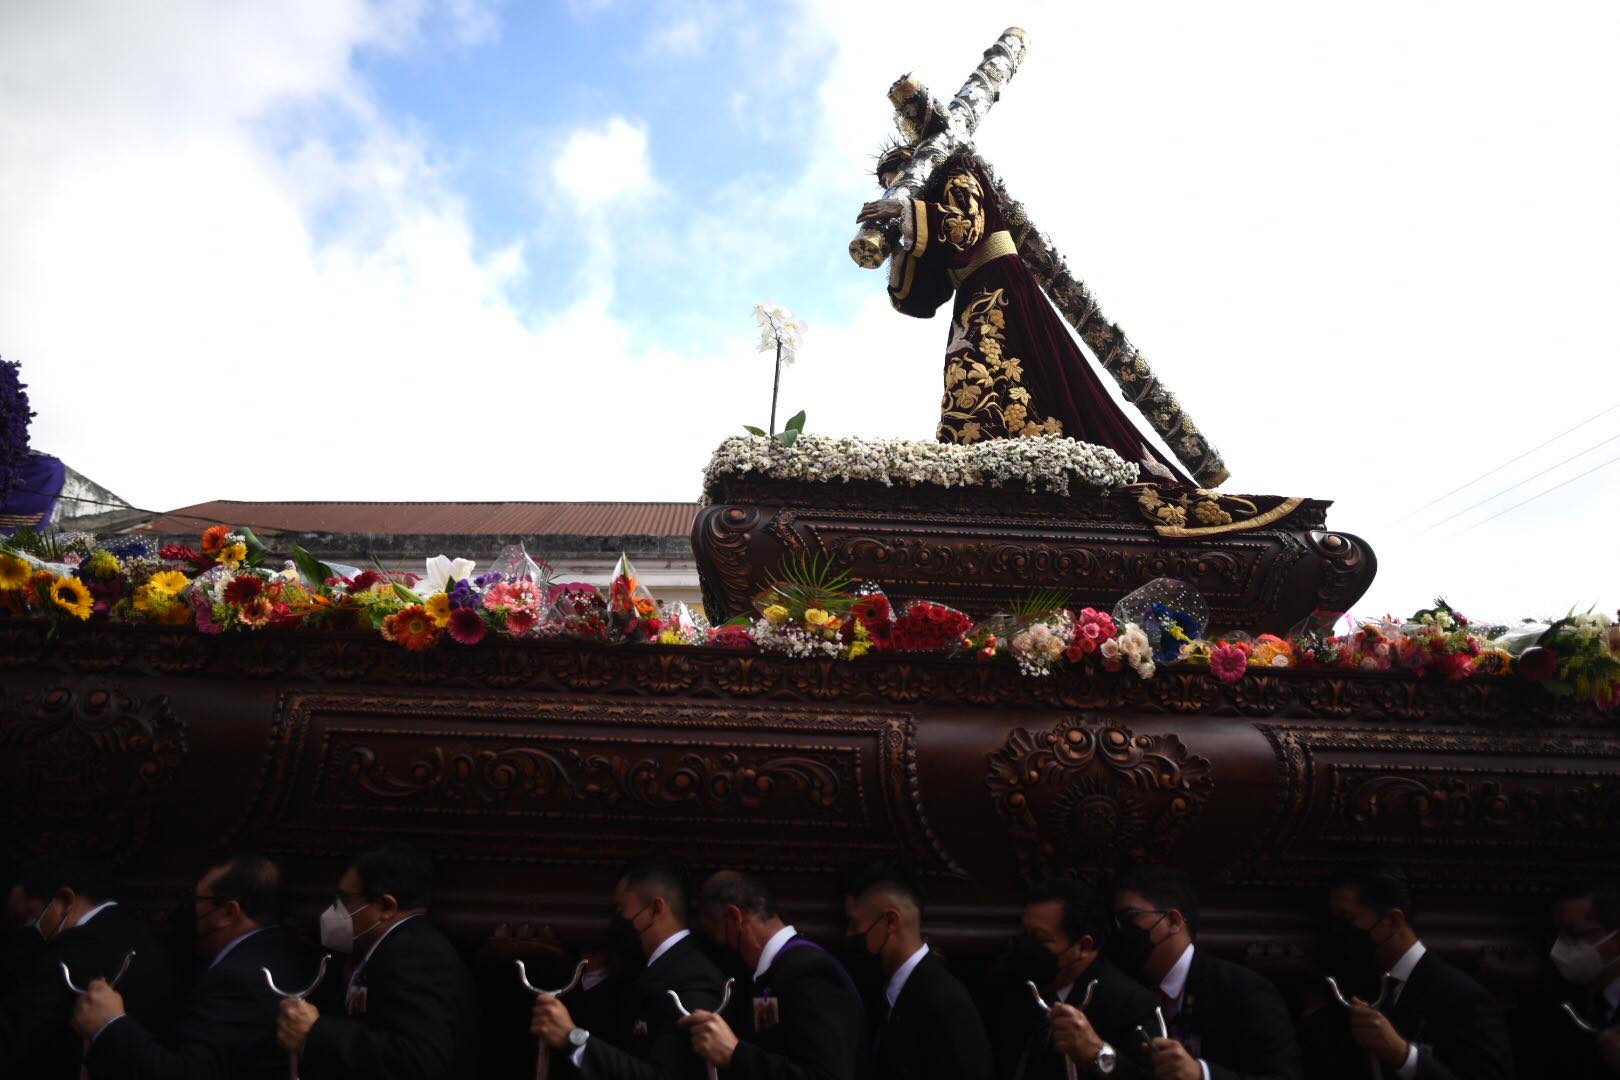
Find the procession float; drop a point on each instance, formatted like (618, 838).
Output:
(1034, 647)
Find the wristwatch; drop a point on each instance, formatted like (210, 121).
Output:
(577, 1037)
(1105, 1060)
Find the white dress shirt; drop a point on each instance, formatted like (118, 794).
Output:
(772, 947)
(1401, 972)
(1174, 985)
(897, 981)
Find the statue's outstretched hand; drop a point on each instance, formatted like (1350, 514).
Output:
(882, 210)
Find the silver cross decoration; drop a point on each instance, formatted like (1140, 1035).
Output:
(940, 130)
(67, 977)
(1385, 984)
(1579, 1020)
(542, 1057)
(296, 995)
(1069, 1068)
(725, 999)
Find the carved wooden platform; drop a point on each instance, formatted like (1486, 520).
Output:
(979, 549)
(530, 769)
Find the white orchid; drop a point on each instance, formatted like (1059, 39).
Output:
(779, 330)
(441, 574)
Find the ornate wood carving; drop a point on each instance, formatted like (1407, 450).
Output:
(1086, 795)
(978, 550)
(558, 780)
(79, 767)
(1461, 808)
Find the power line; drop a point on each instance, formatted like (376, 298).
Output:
(1510, 461)
(1533, 498)
(1520, 484)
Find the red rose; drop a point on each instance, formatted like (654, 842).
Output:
(1538, 663)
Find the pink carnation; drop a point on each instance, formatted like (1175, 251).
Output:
(1228, 663)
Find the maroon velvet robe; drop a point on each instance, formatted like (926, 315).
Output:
(1011, 368)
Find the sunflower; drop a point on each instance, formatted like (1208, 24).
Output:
(213, 538)
(438, 609)
(169, 581)
(411, 627)
(71, 596)
(13, 572)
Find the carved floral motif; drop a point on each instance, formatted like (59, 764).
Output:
(1085, 795)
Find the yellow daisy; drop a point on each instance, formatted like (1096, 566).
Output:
(169, 581)
(438, 609)
(14, 572)
(71, 596)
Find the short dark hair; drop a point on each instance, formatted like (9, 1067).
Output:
(738, 889)
(1382, 886)
(1083, 910)
(90, 878)
(1605, 897)
(254, 881)
(1166, 887)
(660, 875)
(883, 872)
(396, 867)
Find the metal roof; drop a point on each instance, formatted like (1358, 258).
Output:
(459, 518)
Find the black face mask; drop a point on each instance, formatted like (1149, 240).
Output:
(623, 939)
(864, 966)
(1130, 946)
(1029, 960)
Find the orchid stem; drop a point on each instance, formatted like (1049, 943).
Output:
(776, 382)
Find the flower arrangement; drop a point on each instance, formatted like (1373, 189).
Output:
(810, 609)
(779, 332)
(1045, 463)
(924, 627)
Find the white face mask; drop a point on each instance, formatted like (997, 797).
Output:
(337, 927)
(1579, 961)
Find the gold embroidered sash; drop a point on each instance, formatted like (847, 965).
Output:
(995, 246)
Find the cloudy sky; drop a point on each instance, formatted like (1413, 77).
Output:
(467, 250)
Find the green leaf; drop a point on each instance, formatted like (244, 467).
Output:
(788, 437)
(739, 620)
(405, 594)
(796, 422)
(315, 572)
(255, 550)
(752, 430)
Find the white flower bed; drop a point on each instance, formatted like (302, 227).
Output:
(1046, 463)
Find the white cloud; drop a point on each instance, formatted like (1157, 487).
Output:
(597, 167)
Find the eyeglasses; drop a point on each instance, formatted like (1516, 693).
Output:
(1125, 918)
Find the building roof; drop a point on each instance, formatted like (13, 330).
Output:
(449, 518)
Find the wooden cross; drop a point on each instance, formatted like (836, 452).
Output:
(936, 132)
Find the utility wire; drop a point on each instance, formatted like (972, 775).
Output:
(1533, 498)
(1521, 483)
(1510, 461)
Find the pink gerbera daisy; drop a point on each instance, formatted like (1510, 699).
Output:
(466, 626)
(521, 621)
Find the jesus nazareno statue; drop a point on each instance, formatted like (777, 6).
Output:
(1011, 368)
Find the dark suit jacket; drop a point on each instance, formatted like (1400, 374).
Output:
(227, 1030)
(1456, 1024)
(420, 1020)
(934, 1031)
(1236, 1021)
(1551, 1047)
(808, 1022)
(1024, 1049)
(654, 1046)
(36, 1038)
